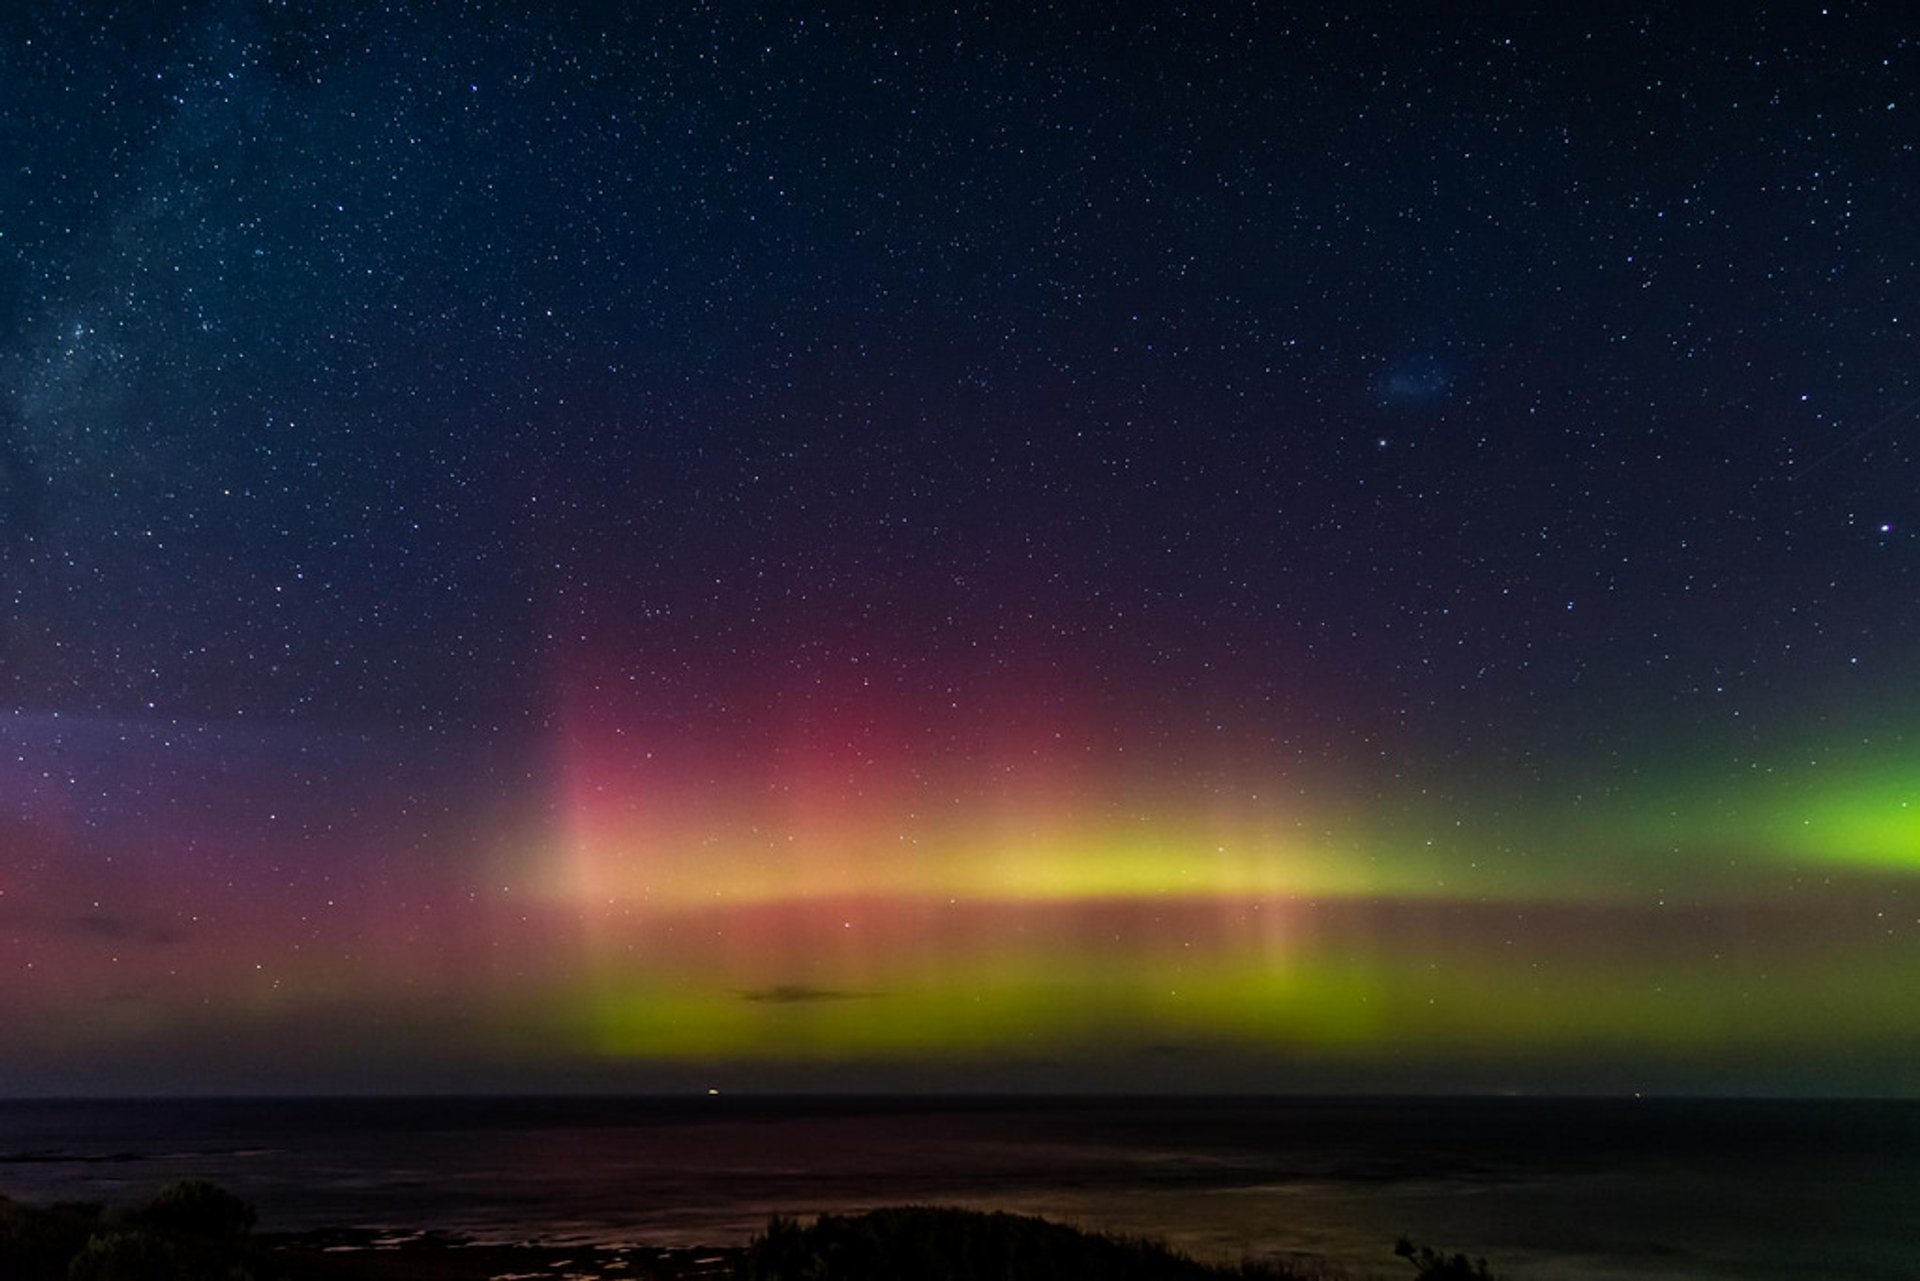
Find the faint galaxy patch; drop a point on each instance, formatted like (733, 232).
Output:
(1418, 381)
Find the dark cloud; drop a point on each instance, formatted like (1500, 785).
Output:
(800, 993)
(115, 928)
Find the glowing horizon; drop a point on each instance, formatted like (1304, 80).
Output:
(901, 908)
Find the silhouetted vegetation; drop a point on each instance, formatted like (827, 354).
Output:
(196, 1231)
(36, 1243)
(195, 1207)
(1432, 1265)
(191, 1231)
(929, 1244)
(131, 1254)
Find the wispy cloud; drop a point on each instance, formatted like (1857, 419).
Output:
(123, 929)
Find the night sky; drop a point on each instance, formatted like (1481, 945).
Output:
(662, 548)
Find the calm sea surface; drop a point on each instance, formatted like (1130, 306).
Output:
(1546, 1189)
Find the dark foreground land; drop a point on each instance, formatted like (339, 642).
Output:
(195, 1231)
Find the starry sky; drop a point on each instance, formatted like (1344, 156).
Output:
(666, 547)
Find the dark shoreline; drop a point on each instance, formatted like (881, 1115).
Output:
(193, 1230)
(374, 1254)
(1687, 1190)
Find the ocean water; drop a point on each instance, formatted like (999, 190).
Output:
(1579, 1190)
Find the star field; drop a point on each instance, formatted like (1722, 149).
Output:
(1006, 548)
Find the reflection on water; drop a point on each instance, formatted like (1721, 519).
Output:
(1566, 1189)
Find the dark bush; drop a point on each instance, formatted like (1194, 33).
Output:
(192, 1231)
(195, 1207)
(128, 1255)
(928, 1244)
(36, 1244)
(1432, 1265)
